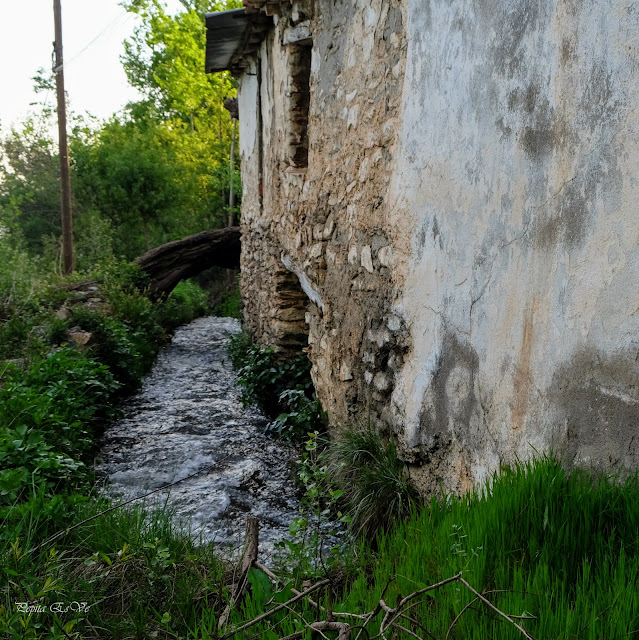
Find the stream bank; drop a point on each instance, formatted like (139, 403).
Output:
(188, 419)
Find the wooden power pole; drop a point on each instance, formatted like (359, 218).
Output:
(65, 179)
(231, 174)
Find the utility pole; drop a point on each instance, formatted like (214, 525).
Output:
(231, 174)
(65, 179)
(231, 105)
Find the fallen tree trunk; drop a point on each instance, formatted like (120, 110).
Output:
(170, 263)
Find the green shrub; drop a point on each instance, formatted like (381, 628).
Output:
(281, 388)
(47, 419)
(185, 303)
(238, 349)
(377, 490)
(300, 415)
(63, 394)
(127, 353)
(94, 235)
(22, 281)
(313, 533)
(264, 375)
(14, 335)
(121, 275)
(231, 305)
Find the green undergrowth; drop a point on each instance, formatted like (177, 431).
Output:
(125, 574)
(280, 385)
(231, 304)
(56, 395)
(559, 549)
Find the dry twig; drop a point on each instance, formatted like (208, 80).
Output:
(279, 607)
(248, 558)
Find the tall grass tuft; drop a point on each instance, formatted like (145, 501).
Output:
(377, 489)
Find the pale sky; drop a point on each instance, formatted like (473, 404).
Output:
(94, 78)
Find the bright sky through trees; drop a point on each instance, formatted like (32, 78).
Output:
(94, 77)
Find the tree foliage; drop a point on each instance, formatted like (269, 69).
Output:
(29, 194)
(155, 172)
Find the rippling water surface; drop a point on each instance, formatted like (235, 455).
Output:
(188, 418)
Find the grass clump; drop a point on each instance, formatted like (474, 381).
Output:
(131, 573)
(377, 491)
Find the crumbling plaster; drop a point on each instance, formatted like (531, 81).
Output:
(467, 222)
(517, 176)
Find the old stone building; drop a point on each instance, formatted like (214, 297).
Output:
(440, 203)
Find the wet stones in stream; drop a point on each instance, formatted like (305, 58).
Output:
(188, 419)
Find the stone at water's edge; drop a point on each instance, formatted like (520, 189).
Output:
(188, 417)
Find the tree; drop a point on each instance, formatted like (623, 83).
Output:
(29, 186)
(154, 173)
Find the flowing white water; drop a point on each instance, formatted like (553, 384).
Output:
(188, 418)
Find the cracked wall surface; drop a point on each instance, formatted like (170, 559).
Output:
(517, 172)
(462, 248)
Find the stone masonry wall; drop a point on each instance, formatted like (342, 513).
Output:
(463, 243)
(329, 221)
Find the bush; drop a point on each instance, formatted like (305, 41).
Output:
(22, 280)
(281, 388)
(239, 346)
(121, 275)
(48, 413)
(128, 354)
(265, 375)
(300, 415)
(185, 303)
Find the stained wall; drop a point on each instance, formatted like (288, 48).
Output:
(462, 248)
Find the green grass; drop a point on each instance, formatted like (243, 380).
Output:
(562, 546)
(138, 572)
(538, 541)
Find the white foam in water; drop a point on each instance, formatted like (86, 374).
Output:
(188, 417)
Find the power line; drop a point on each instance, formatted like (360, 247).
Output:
(109, 26)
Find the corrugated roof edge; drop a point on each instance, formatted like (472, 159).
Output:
(231, 36)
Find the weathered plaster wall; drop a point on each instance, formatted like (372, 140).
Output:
(466, 228)
(517, 179)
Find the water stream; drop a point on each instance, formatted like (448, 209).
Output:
(188, 418)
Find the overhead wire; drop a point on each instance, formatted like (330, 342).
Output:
(79, 53)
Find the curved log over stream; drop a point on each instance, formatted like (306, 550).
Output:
(174, 261)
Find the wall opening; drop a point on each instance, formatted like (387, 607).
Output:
(300, 98)
(290, 313)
